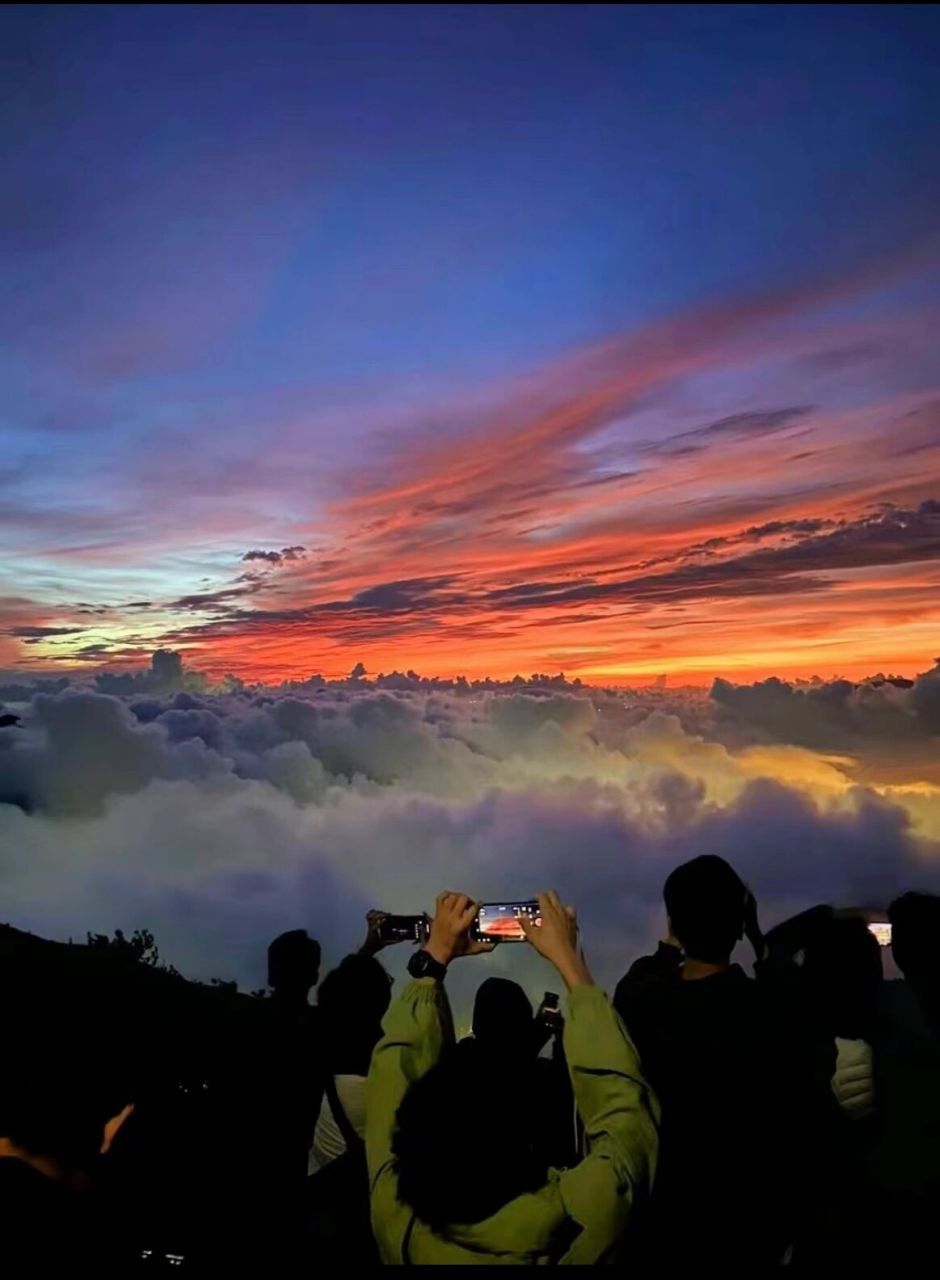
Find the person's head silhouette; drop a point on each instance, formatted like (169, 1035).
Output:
(915, 937)
(293, 965)
(502, 1018)
(353, 1000)
(705, 901)
(499, 1151)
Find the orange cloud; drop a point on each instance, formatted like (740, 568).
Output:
(749, 489)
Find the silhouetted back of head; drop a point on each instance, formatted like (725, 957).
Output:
(293, 963)
(502, 1018)
(353, 1000)
(915, 936)
(463, 1147)
(705, 903)
(842, 966)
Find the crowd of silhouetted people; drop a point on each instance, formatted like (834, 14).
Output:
(700, 1118)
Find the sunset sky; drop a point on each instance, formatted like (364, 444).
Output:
(471, 339)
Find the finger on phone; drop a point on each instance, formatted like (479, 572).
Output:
(468, 914)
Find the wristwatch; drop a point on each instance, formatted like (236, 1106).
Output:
(423, 965)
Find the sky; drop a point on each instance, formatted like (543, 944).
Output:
(470, 339)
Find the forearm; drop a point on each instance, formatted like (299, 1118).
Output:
(618, 1109)
(573, 971)
(601, 1058)
(784, 940)
(415, 1030)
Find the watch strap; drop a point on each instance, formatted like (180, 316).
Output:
(423, 965)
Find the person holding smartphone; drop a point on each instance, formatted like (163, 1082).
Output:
(507, 1040)
(351, 1004)
(455, 1175)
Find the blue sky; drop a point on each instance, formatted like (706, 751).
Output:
(456, 186)
(260, 244)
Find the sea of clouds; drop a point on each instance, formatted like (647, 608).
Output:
(218, 819)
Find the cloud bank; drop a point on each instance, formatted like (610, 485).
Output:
(218, 819)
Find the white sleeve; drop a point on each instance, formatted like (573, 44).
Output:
(328, 1141)
(351, 1091)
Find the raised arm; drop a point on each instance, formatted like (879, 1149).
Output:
(784, 940)
(619, 1111)
(415, 1030)
(620, 1114)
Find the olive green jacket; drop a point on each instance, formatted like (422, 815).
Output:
(618, 1109)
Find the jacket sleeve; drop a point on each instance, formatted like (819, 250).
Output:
(784, 940)
(414, 1032)
(620, 1114)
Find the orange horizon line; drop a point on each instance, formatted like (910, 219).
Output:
(691, 677)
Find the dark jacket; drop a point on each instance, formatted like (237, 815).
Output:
(906, 1157)
(718, 1058)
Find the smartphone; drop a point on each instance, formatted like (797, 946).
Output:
(498, 921)
(881, 929)
(549, 1012)
(404, 928)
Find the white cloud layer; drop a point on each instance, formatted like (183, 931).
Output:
(219, 820)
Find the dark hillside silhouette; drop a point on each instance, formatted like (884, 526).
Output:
(182, 1176)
